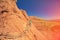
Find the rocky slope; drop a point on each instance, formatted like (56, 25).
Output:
(15, 24)
(51, 26)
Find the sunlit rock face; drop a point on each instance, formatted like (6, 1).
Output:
(15, 24)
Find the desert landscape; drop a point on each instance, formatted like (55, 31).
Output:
(15, 24)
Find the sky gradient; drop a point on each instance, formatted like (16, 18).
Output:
(47, 9)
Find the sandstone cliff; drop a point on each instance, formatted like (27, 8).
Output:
(15, 24)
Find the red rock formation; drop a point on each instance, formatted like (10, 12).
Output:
(15, 24)
(52, 28)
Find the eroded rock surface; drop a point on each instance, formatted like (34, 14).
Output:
(15, 24)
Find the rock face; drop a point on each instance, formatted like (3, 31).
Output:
(15, 24)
